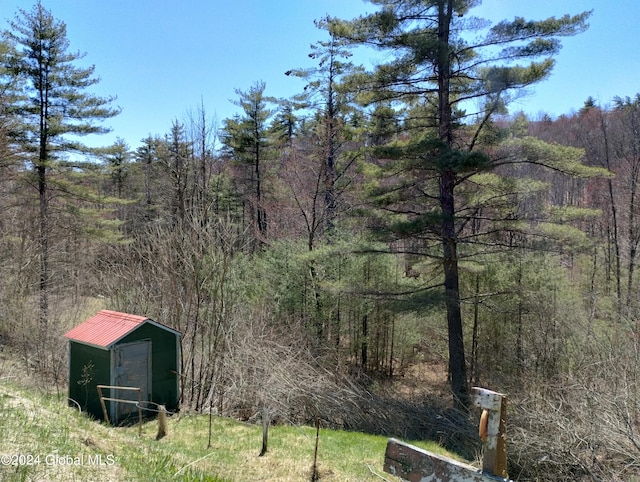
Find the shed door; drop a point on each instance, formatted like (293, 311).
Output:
(132, 369)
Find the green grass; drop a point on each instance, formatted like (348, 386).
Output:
(56, 442)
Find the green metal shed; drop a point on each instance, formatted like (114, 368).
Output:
(123, 350)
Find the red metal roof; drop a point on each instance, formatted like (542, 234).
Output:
(106, 327)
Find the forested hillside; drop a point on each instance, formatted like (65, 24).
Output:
(380, 226)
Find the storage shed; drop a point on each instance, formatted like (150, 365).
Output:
(124, 350)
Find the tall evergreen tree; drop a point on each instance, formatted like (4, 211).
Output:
(323, 95)
(54, 106)
(118, 159)
(9, 90)
(436, 63)
(177, 161)
(147, 158)
(246, 139)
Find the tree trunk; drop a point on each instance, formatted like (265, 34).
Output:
(261, 215)
(330, 174)
(632, 232)
(614, 216)
(363, 343)
(43, 235)
(473, 369)
(457, 363)
(44, 254)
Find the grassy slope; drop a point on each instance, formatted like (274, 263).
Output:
(43, 426)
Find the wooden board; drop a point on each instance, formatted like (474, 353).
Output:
(414, 464)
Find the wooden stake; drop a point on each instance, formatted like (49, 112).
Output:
(315, 476)
(162, 422)
(210, 424)
(265, 430)
(104, 407)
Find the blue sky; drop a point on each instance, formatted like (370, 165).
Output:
(163, 58)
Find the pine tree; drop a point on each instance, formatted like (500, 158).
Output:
(246, 139)
(9, 93)
(117, 158)
(322, 95)
(441, 60)
(54, 106)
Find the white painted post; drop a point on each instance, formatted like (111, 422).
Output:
(494, 459)
(414, 464)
